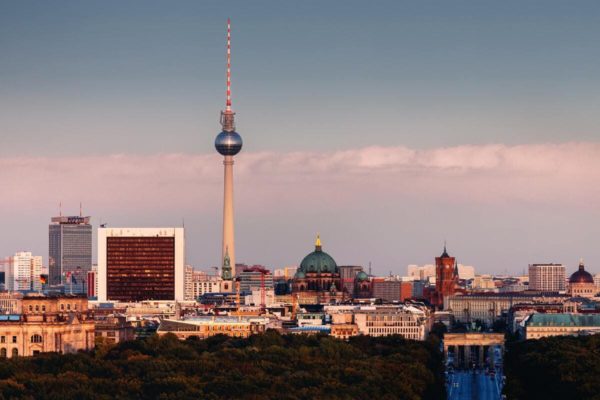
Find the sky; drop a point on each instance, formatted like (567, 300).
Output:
(387, 127)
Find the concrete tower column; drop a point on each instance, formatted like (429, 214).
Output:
(228, 230)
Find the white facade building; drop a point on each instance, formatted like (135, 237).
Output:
(22, 272)
(141, 264)
(203, 283)
(547, 277)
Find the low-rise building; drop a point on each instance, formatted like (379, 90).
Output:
(47, 324)
(488, 307)
(410, 321)
(114, 329)
(543, 325)
(204, 327)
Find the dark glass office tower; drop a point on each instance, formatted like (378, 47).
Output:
(70, 252)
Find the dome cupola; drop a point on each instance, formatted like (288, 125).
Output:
(318, 261)
(581, 275)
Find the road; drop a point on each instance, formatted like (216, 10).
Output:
(469, 385)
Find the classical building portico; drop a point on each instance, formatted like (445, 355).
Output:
(472, 348)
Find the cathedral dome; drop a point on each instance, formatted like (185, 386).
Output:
(581, 275)
(318, 261)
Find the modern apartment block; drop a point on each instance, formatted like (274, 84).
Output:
(137, 264)
(547, 277)
(23, 272)
(70, 252)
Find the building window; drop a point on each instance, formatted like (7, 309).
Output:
(2, 353)
(30, 307)
(2, 339)
(37, 308)
(36, 338)
(15, 352)
(62, 307)
(14, 339)
(44, 308)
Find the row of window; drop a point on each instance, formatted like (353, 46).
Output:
(34, 339)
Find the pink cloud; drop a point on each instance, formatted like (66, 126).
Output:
(562, 174)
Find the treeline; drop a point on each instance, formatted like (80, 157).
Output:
(268, 366)
(562, 367)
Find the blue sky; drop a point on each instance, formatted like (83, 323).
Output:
(140, 78)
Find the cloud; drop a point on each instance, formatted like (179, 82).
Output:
(560, 174)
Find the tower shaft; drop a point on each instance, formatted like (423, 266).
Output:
(228, 226)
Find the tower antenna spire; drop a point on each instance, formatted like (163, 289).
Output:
(228, 104)
(227, 116)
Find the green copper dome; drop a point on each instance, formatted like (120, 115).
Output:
(318, 261)
(362, 276)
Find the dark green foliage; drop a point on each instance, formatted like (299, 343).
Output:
(554, 368)
(268, 366)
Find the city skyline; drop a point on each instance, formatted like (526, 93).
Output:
(493, 154)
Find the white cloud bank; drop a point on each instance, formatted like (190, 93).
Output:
(563, 174)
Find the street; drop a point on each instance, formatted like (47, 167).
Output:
(469, 385)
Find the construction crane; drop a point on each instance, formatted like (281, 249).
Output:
(237, 297)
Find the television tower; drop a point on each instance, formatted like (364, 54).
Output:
(228, 143)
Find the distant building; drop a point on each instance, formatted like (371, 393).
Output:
(23, 272)
(204, 327)
(446, 278)
(318, 278)
(253, 278)
(421, 273)
(92, 283)
(137, 264)
(466, 272)
(70, 252)
(581, 283)
(409, 321)
(484, 283)
(543, 325)
(347, 275)
(47, 324)
(391, 289)
(188, 291)
(488, 307)
(547, 277)
(203, 283)
(113, 329)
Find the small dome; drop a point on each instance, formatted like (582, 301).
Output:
(300, 275)
(228, 143)
(362, 276)
(581, 276)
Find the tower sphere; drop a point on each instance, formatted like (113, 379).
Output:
(228, 143)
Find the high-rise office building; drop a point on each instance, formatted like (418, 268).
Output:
(70, 252)
(136, 264)
(547, 277)
(23, 272)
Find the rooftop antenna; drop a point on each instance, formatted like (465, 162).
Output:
(370, 268)
(227, 116)
(60, 209)
(80, 209)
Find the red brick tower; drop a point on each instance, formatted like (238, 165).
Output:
(446, 278)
